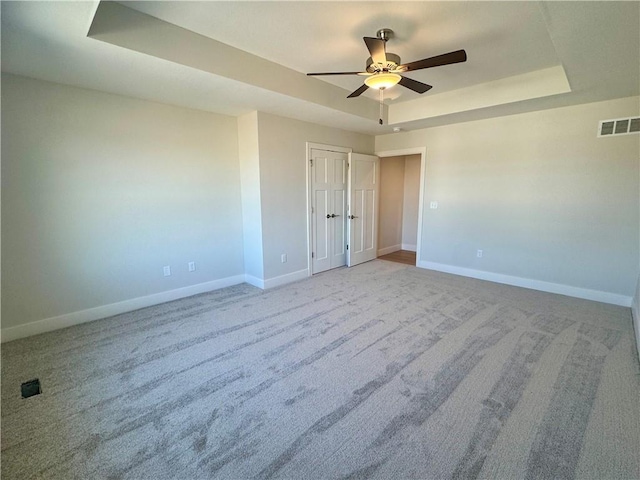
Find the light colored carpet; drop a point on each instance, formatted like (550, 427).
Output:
(379, 371)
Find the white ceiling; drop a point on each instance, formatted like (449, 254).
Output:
(594, 45)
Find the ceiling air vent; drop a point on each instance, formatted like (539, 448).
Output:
(620, 126)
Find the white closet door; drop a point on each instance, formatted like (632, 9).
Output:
(328, 183)
(364, 189)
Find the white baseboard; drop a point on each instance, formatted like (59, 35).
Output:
(409, 247)
(276, 281)
(635, 314)
(595, 295)
(104, 311)
(288, 278)
(388, 250)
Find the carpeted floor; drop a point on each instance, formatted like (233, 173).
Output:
(379, 371)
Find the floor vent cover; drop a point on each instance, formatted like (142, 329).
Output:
(31, 388)
(619, 126)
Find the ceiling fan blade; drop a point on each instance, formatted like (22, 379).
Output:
(359, 91)
(337, 73)
(376, 49)
(444, 59)
(414, 85)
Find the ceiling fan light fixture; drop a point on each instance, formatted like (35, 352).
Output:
(382, 80)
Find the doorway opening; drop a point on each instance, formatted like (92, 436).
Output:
(402, 174)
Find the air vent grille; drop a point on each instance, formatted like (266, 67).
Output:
(619, 126)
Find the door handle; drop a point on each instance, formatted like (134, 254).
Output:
(328, 216)
(352, 217)
(333, 215)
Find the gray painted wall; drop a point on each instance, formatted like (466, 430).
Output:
(539, 193)
(100, 191)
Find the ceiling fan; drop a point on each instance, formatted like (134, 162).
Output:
(383, 68)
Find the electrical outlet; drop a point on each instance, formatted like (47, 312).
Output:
(192, 266)
(479, 254)
(166, 270)
(283, 258)
(433, 205)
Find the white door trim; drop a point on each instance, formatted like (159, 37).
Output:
(422, 151)
(317, 146)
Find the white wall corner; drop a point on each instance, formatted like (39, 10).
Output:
(105, 311)
(255, 281)
(409, 247)
(568, 290)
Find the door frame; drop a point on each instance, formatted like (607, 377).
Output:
(422, 151)
(316, 146)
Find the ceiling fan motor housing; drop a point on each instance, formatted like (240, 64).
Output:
(392, 63)
(384, 34)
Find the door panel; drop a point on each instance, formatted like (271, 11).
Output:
(340, 171)
(356, 244)
(363, 187)
(339, 228)
(368, 228)
(321, 246)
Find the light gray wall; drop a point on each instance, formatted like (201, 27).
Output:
(100, 191)
(283, 172)
(391, 202)
(539, 193)
(410, 202)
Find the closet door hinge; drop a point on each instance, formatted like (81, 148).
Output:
(313, 255)
(311, 162)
